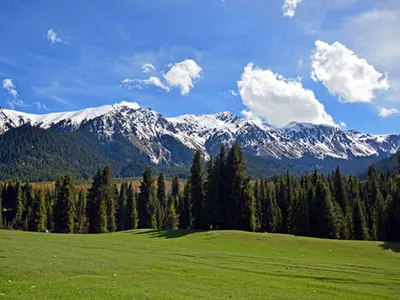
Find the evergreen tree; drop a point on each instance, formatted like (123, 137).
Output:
(393, 220)
(131, 217)
(39, 211)
(49, 212)
(197, 192)
(18, 208)
(81, 212)
(172, 218)
(236, 176)
(220, 193)
(65, 209)
(273, 216)
(360, 224)
(1, 209)
(161, 195)
(145, 200)
(154, 209)
(108, 196)
(122, 207)
(185, 218)
(210, 188)
(175, 187)
(249, 213)
(326, 212)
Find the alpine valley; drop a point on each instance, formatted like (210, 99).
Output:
(128, 137)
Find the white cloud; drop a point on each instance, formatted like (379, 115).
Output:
(234, 93)
(346, 75)
(148, 68)
(289, 7)
(384, 112)
(342, 125)
(278, 100)
(183, 75)
(53, 37)
(41, 105)
(143, 83)
(8, 84)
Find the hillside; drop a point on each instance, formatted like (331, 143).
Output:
(187, 265)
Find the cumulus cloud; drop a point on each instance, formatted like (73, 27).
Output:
(148, 68)
(143, 83)
(289, 7)
(278, 100)
(183, 75)
(342, 125)
(346, 75)
(53, 37)
(8, 84)
(384, 112)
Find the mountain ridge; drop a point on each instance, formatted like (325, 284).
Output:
(161, 138)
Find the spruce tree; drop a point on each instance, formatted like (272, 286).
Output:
(197, 192)
(131, 216)
(161, 195)
(210, 199)
(185, 217)
(360, 224)
(393, 219)
(65, 209)
(220, 193)
(121, 206)
(145, 204)
(235, 171)
(1, 209)
(39, 211)
(18, 208)
(154, 209)
(49, 212)
(175, 187)
(172, 218)
(81, 212)
(94, 214)
(108, 195)
(249, 213)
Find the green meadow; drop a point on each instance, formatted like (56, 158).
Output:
(149, 264)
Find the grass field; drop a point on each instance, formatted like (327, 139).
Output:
(186, 265)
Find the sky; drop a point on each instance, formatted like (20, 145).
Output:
(329, 62)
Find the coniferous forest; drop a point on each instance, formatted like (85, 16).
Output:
(217, 196)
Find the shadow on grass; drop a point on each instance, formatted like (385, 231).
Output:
(395, 247)
(168, 234)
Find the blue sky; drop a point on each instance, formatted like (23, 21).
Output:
(99, 44)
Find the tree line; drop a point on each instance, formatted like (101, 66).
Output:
(217, 196)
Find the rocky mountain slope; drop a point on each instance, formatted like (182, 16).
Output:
(172, 140)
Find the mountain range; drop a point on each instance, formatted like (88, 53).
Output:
(127, 133)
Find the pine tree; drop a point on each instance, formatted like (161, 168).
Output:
(326, 212)
(108, 195)
(175, 187)
(154, 209)
(300, 212)
(393, 220)
(96, 210)
(210, 199)
(39, 211)
(65, 209)
(161, 195)
(197, 192)
(145, 199)
(360, 224)
(236, 175)
(220, 186)
(131, 217)
(249, 213)
(185, 218)
(172, 218)
(18, 208)
(122, 206)
(1, 208)
(81, 212)
(49, 212)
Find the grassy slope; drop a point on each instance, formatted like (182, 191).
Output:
(184, 265)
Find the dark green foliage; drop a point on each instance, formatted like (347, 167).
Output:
(39, 211)
(185, 203)
(131, 213)
(65, 209)
(197, 192)
(108, 196)
(147, 197)
(249, 211)
(96, 210)
(81, 212)
(122, 206)
(172, 218)
(175, 187)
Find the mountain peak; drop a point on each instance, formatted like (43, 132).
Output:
(130, 105)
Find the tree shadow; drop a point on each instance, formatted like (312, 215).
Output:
(395, 247)
(168, 234)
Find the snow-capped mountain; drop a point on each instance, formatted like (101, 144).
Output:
(163, 138)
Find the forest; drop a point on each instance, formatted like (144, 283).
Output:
(218, 195)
